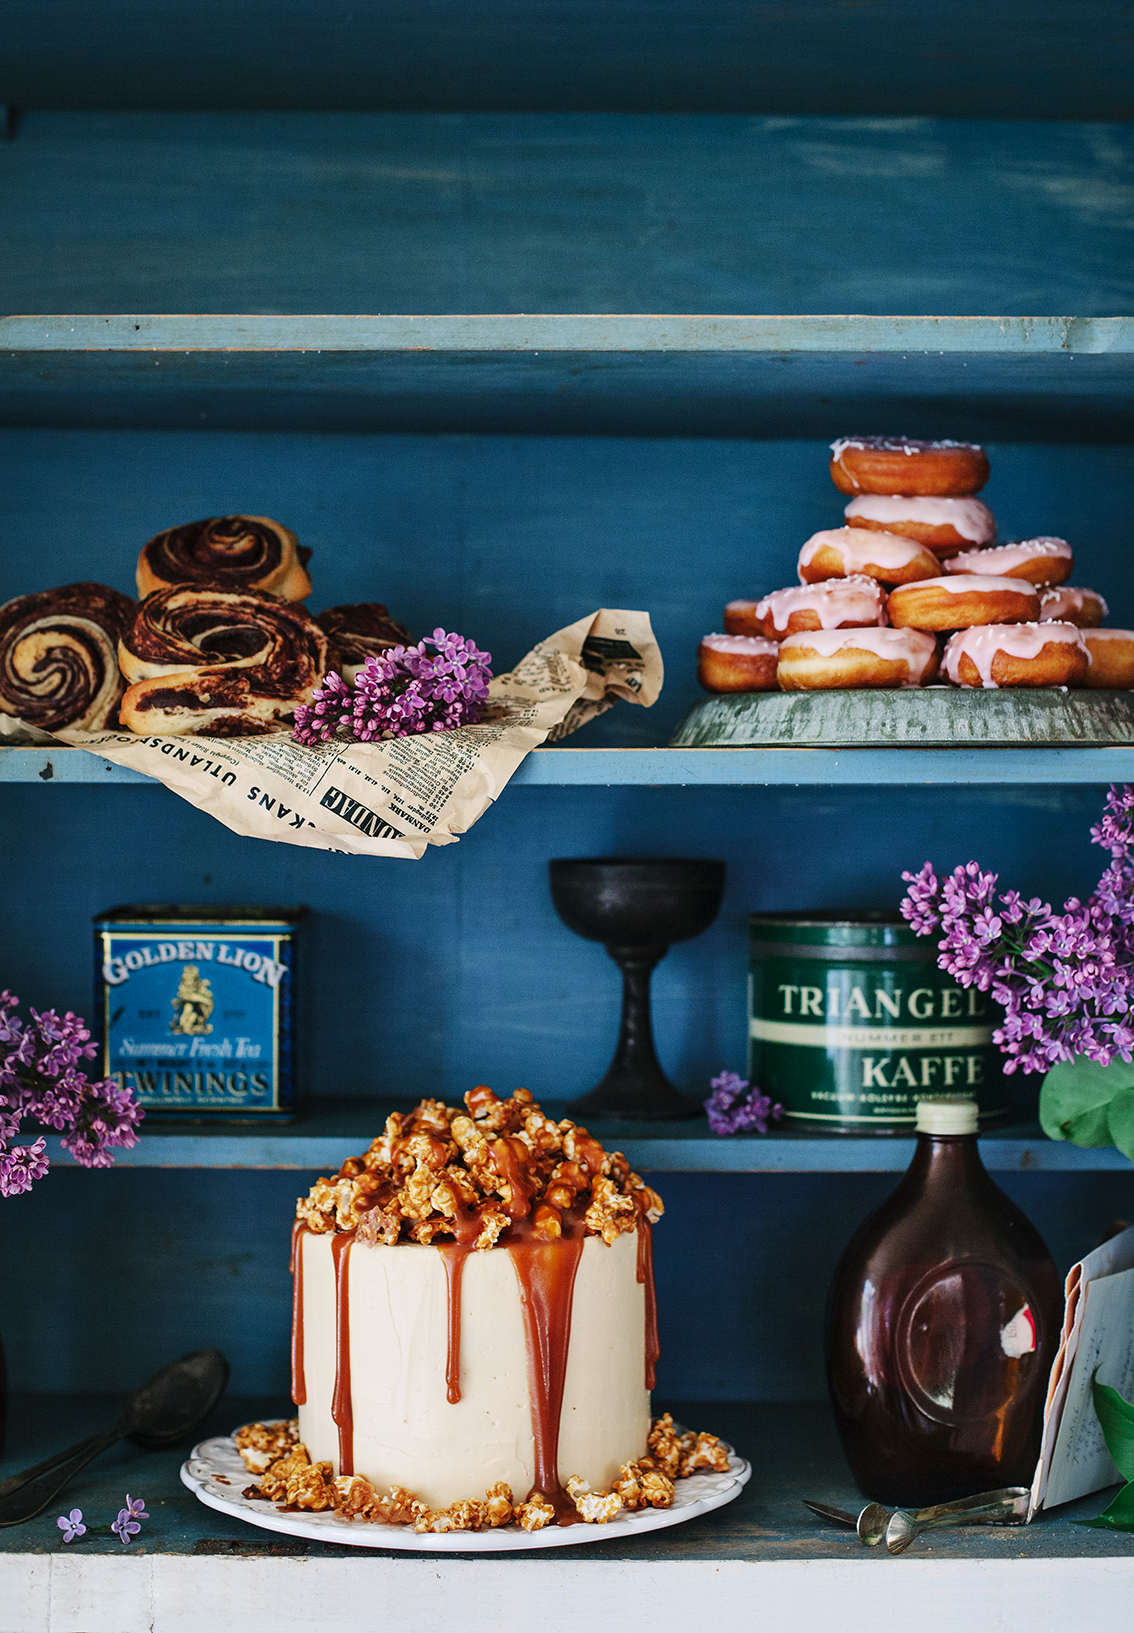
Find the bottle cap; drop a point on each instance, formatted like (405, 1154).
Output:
(947, 1117)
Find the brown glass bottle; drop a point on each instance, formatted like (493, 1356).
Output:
(942, 1323)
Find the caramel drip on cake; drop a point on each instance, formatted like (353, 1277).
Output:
(546, 1273)
(453, 1255)
(298, 1377)
(646, 1280)
(342, 1404)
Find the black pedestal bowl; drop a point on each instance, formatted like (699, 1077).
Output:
(637, 907)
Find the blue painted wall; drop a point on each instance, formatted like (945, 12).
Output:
(237, 212)
(1011, 59)
(105, 1276)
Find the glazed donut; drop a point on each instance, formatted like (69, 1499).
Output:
(737, 663)
(1040, 561)
(836, 603)
(825, 659)
(1066, 605)
(961, 602)
(59, 656)
(992, 655)
(218, 663)
(944, 526)
(841, 552)
(1112, 658)
(357, 633)
(235, 552)
(899, 465)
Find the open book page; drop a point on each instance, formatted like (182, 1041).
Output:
(1097, 1327)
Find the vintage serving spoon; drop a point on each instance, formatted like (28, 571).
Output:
(157, 1415)
(876, 1523)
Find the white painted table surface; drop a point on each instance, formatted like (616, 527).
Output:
(761, 1563)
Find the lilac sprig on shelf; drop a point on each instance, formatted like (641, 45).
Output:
(735, 1108)
(1065, 980)
(437, 685)
(41, 1079)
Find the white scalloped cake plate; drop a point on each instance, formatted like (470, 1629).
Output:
(215, 1473)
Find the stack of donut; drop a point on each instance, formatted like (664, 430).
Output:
(915, 588)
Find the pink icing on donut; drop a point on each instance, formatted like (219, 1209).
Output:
(970, 517)
(751, 646)
(981, 644)
(1060, 599)
(833, 601)
(914, 645)
(1006, 556)
(1090, 635)
(894, 445)
(857, 546)
(974, 582)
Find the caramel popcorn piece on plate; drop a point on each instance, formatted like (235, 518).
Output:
(596, 1507)
(262, 1444)
(535, 1513)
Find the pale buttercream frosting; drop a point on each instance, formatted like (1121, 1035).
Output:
(913, 646)
(748, 646)
(1066, 600)
(405, 1430)
(969, 517)
(858, 597)
(981, 644)
(1003, 557)
(860, 547)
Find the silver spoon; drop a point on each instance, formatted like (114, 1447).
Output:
(159, 1414)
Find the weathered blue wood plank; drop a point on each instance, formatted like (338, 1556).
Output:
(565, 213)
(330, 1132)
(1012, 60)
(700, 768)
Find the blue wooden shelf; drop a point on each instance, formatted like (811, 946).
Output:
(333, 1130)
(628, 374)
(701, 767)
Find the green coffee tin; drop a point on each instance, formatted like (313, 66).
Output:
(851, 1023)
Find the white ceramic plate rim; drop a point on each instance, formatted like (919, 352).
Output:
(699, 1494)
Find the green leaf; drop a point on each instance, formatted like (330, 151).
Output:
(1116, 1417)
(1120, 1122)
(1119, 1516)
(1075, 1099)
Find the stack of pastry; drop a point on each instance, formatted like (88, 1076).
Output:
(914, 588)
(219, 645)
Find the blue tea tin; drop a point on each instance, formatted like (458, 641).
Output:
(197, 1007)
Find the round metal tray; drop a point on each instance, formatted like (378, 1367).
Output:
(913, 717)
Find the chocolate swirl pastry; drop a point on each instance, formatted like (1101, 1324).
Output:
(238, 552)
(215, 662)
(359, 632)
(58, 656)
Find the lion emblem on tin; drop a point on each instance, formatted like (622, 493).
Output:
(193, 1004)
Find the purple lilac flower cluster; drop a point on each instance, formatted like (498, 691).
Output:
(734, 1108)
(402, 692)
(40, 1078)
(1066, 980)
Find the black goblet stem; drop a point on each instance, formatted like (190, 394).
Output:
(635, 1087)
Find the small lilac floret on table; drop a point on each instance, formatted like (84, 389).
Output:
(72, 1525)
(1065, 980)
(40, 1079)
(401, 693)
(734, 1108)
